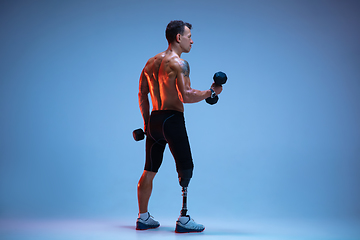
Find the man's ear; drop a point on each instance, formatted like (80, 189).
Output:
(178, 37)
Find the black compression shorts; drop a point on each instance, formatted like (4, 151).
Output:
(167, 126)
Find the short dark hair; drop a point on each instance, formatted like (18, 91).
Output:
(175, 27)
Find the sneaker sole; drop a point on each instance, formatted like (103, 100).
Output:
(180, 229)
(141, 226)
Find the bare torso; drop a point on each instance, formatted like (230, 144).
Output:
(161, 79)
(166, 77)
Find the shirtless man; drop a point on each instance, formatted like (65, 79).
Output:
(166, 77)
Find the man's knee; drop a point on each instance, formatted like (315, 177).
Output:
(184, 177)
(146, 178)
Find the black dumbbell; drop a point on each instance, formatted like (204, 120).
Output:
(138, 134)
(220, 78)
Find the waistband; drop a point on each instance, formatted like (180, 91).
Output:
(167, 112)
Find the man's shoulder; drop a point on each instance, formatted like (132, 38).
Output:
(177, 62)
(157, 58)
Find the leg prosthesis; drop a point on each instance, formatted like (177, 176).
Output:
(185, 224)
(184, 180)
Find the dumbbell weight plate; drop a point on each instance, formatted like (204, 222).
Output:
(138, 134)
(220, 78)
(212, 101)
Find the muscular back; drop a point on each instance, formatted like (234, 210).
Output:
(160, 77)
(166, 78)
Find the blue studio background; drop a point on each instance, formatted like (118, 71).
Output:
(283, 141)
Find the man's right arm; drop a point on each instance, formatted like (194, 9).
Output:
(143, 98)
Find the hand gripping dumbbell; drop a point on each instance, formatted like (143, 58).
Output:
(220, 78)
(138, 134)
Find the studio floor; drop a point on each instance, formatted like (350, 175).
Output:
(118, 229)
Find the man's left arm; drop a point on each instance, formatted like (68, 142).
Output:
(185, 92)
(143, 99)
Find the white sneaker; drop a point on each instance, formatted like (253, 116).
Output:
(149, 223)
(187, 224)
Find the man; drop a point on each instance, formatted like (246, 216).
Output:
(166, 77)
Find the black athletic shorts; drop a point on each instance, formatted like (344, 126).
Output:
(167, 126)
